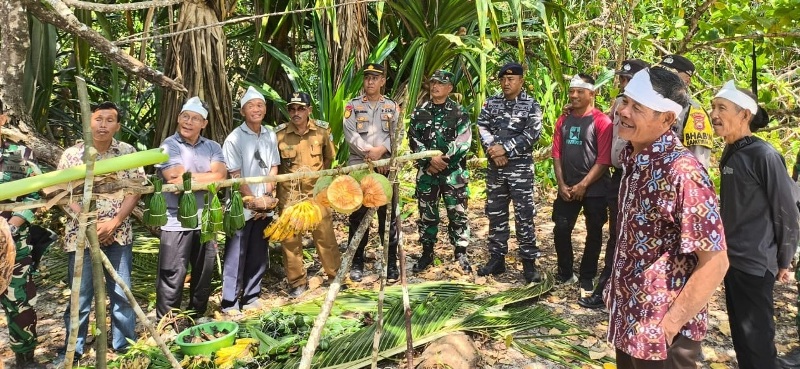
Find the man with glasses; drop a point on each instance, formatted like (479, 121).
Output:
(250, 150)
(188, 152)
(369, 121)
(305, 145)
(509, 125)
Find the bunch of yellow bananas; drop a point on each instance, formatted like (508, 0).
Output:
(294, 220)
(243, 350)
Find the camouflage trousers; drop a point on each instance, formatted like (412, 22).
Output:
(429, 190)
(511, 183)
(16, 299)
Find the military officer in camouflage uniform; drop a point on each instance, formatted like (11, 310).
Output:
(305, 145)
(369, 121)
(509, 125)
(441, 124)
(16, 162)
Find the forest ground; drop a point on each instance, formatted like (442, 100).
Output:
(717, 348)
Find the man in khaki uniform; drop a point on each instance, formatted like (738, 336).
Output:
(369, 121)
(305, 145)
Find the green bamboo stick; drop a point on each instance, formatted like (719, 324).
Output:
(11, 190)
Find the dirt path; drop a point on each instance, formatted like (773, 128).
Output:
(717, 348)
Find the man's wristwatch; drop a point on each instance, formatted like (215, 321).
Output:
(13, 228)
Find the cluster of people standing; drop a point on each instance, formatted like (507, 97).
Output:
(642, 167)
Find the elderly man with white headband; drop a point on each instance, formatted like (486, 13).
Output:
(188, 152)
(250, 150)
(581, 157)
(762, 224)
(670, 254)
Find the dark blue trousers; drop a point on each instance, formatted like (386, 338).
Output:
(245, 264)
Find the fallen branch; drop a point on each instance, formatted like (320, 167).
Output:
(110, 8)
(58, 14)
(333, 291)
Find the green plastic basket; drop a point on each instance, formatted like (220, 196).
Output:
(208, 347)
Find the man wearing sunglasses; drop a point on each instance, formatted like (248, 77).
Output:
(251, 150)
(305, 145)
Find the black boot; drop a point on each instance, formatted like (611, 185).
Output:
(392, 273)
(495, 266)
(463, 260)
(24, 360)
(529, 271)
(356, 270)
(425, 260)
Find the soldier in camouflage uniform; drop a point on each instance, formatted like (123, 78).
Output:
(509, 125)
(441, 124)
(16, 162)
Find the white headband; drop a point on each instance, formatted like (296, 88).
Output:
(251, 94)
(578, 82)
(194, 105)
(641, 90)
(731, 93)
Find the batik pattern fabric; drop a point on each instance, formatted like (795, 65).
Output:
(668, 211)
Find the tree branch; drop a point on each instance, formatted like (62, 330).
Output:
(14, 45)
(58, 14)
(110, 8)
(693, 24)
(701, 45)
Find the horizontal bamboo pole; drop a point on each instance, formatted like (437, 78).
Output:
(198, 186)
(14, 189)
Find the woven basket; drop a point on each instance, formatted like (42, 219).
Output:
(8, 253)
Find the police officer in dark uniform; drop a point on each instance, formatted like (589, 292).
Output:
(369, 121)
(509, 124)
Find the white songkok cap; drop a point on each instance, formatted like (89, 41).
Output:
(251, 94)
(731, 93)
(195, 105)
(578, 82)
(641, 90)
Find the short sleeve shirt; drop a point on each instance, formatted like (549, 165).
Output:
(369, 124)
(581, 142)
(195, 158)
(107, 205)
(246, 151)
(668, 210)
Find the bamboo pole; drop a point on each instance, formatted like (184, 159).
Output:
(397, 137)
(202, 186)
(139, 312)
(99, 284)
(333, 291)
(89, 156)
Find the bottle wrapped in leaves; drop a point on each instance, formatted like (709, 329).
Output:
(234, 217)
(187, 205)
(156, 205)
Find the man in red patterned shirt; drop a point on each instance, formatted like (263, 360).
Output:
(671, 250)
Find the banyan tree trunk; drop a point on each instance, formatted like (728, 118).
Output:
(197, 59)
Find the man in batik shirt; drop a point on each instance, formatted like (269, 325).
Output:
(671, 251)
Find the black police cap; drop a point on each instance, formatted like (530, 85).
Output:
(677, 63)
(374, 68)
(631, 66)
(510, 69)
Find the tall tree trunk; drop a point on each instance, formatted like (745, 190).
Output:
(352, 20)
(197, 60)
(14, 44)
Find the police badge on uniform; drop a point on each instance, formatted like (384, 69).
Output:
(348, 110)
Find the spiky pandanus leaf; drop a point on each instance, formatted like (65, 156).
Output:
(187, 206)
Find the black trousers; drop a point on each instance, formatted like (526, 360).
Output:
(611, 245)
(682, 354)
(394, 231)
(245, 262)
(750, 311)
(565, 214)
(178, 250)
